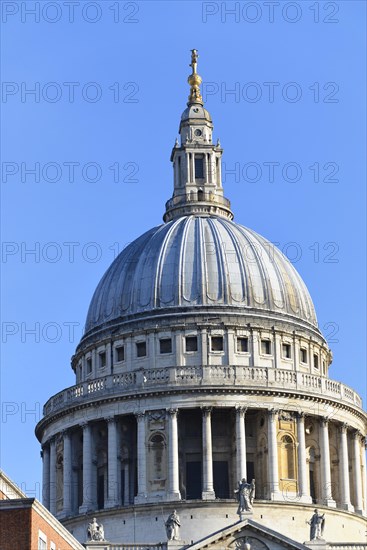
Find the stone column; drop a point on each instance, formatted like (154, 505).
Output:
(357, 478)
(344, 469)
(53, 476)
(87, 503)
(188, 178)
(173, 471)
(112, 486)
(178, 349)
(303, 490)
(142, 464)
(254, 348)
(273, 456)
(364, 477)
(326, 490)
(208, 486)
(46, 476)
(241, 443)
(219, 175)
(193, 167)
(206, 168)
(204, 341)
(67, 473)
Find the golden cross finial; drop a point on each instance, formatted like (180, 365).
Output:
(194, 80)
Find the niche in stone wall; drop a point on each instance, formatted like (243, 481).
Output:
(287, 464)
(157, 462)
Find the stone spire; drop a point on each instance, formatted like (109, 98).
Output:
(197, 161)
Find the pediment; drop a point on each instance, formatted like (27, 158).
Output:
(247, 535)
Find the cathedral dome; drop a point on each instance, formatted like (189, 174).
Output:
(197, 261)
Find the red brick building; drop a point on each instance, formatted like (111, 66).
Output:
(25, 524)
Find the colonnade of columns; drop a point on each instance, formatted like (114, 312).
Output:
(173, 488)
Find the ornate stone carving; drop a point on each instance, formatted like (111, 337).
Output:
(286, 416)
(248, 543)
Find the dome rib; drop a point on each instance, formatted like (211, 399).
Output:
(199, 261)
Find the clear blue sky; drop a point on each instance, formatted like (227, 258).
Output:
(111, 93)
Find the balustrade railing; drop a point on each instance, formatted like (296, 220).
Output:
(258, 377)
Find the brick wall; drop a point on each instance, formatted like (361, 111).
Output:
(15, 529)
(38, 523)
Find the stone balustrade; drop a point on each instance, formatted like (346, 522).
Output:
(191, 376)
(128, 546)
(163, 546)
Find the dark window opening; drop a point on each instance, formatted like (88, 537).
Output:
(89, 366)
(316, 361)
(120, 354)
(141, 349)
(217, 343)
(286, 351)
(242, 344)
(102, 360)
(199, 168)
(265, 347)
(303, 353)
(220, 479)
(191, 343)
(193, 480)
(165, 345)
(100, 492)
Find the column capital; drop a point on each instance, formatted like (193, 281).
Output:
(65, 433)
(343, 428)
(206, 410)
(356, 434)
(172, 411)
(273, 413)
(300, 415)
(85, 425)
(110, 419)
(241, 410)
(324, 420)
(139, 415)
